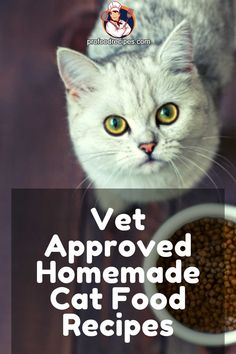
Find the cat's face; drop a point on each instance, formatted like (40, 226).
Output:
(141, 121)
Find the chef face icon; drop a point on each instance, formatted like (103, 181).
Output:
(118, 20)
(115, 15)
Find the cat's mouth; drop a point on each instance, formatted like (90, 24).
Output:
(151, 161)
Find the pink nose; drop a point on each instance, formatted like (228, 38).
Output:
(148, 147)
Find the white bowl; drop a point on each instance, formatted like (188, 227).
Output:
(165, 232)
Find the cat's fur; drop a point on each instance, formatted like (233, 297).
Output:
(188, 63)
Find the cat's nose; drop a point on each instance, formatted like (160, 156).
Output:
(148, 147)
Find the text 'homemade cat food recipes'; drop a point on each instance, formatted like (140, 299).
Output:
(119, 278)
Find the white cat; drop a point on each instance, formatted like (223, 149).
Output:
(144, 117)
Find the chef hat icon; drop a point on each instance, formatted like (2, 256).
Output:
(114, 6)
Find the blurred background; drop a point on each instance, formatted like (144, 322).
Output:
(35, 149)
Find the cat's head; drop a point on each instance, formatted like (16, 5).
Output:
(141, 119)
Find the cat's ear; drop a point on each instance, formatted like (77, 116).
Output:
(78, 72)
(176, 53)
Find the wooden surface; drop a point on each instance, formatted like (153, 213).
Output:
(35, 151)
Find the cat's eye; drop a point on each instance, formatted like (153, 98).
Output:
(167, 114)
(115, 125)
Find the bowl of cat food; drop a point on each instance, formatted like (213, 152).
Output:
(209, 315)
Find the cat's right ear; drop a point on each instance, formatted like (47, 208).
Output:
(176, 53)
(78, 72)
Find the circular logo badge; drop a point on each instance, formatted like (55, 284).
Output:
(118, 20)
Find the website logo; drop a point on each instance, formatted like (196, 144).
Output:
(118, 20)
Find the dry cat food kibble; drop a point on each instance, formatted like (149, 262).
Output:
(210, 304)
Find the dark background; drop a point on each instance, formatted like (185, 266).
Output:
(35, 150)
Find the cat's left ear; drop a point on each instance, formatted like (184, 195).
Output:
(78, 72)
(176, 53)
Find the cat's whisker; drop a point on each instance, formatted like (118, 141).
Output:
(124, 160)
(83, 181)
(98, 156)
(189, 168)
(172, 166)
(91, 182)
(183, 162)
(196, 148)
(129, 177)
(218, 136)
(86, 190)
(201, 169)
(115, 171)
(178, 175)
(199, 150)
(93, 155)
(96, 152)
(218, 164)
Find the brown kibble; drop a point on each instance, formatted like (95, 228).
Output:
(210, 304)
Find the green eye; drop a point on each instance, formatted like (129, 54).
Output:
(167, 114)
(115, 125)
